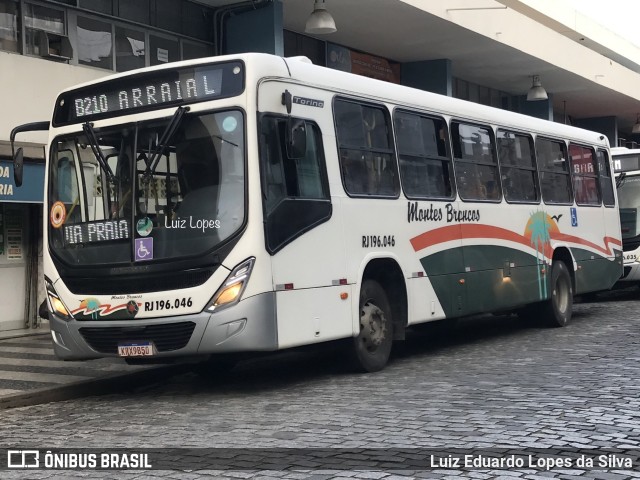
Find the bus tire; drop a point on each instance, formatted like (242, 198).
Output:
(557, 310)
(372, 346)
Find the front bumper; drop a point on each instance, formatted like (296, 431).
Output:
(251, 325)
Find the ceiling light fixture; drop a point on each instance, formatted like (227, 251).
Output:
(320, 21)
(537, 91)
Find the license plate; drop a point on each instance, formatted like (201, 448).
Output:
(140, 349)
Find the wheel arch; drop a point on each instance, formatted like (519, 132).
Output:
(387, 272)
(563, 253)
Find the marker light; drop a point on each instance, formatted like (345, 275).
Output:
(231, 290)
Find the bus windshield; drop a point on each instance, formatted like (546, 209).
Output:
(629, 200)
(147, 191)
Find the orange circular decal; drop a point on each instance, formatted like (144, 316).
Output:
(58, 214)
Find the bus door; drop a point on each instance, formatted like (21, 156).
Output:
(302, 231)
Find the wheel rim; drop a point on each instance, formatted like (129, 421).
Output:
(561, 295)
(373, 326)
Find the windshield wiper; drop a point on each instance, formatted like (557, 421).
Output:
(620, 180)
(90, 133)
(161, 146)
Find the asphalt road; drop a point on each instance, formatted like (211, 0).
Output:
(491, 387)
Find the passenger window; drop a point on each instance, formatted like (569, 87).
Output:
(606, 185)
(423, 153)
(295, 191)
(585, 175)
(367, 159)
(475, 162)
(555, 180)
(518, 167)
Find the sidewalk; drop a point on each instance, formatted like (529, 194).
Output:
(30, 373)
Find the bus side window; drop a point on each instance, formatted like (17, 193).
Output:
(555, 177)
(367, 158)
(604, 172)
(423, 153)
(584, 174)
(475, 162)
(518, 167)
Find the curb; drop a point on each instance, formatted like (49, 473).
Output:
(94, 387)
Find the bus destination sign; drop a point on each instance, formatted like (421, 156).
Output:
(626, 163)
(148, 91)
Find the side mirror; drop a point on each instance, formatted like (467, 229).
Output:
(296, 138)
(18, 167)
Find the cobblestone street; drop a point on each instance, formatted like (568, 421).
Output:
(492, 383)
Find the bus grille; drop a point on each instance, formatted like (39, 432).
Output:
(166, 337)
(121, 284)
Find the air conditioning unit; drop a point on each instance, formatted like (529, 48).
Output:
(54, 46)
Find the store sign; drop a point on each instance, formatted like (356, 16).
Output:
(32, 189)
(347, 60)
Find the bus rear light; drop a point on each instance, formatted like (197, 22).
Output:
(231, 290)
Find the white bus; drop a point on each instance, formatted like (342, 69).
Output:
(626, 164)
(257, 203)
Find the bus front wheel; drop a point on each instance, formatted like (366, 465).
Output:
(372, 346)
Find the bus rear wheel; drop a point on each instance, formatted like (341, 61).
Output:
(559, 307)
(372, 346)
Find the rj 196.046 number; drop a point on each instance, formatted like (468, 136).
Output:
(378, 241)
(168, 304)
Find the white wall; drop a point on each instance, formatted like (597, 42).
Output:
(29, 87)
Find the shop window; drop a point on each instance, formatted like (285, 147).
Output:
(45, 32)
(475, 162)
(137, 11)
(196, 21)
(192, 50)
(130, 49)
(163, 50)
(518, 167)
(95, 43)
(168, 15)
(9, 26)
(101, 6)
(312, 48)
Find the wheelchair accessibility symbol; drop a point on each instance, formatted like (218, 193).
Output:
(144, 249)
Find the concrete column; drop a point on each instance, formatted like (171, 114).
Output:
(259, 30)
(606, 125)
(432, 75)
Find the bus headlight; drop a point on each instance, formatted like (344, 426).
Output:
(231, 290)
(56, 305)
